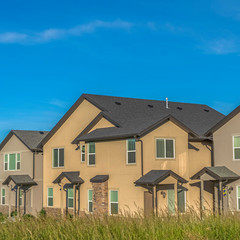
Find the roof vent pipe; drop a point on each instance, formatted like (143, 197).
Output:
(167, 103)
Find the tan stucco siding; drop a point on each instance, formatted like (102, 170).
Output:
(75, 124)
(103, 123)
(34, 196)
(223, 154)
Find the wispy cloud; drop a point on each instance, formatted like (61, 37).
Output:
(221, 46)
(58, 103)
(55, 34)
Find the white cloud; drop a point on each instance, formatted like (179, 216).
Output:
(221, 46)
(58, 103)
(55, 34)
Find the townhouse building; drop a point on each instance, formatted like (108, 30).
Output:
(113, 154)
(21, 172)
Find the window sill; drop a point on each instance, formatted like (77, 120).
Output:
(165, 158)
(57, 167)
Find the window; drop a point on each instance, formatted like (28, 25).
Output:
(131, 151)
(113, 202)
(90, 203)
(21, 197)
(12, 162)
(83, 153)
(50, 197)
(91, 154)
(181, 200)
(165, 148)
(3, 196)
(58, 157)
(238, 198)
(236, 147)
(70, 197)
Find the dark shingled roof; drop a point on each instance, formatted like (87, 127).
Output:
(30, 139)
(72, 177)
(20, 180)
(218, 173)
(99, 178)
(154, 177)
(135, 116)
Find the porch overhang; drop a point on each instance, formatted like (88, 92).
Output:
(154, 177)
(20, 180)
(72, 177)
(217, 173)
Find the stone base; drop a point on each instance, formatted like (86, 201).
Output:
(100, 198)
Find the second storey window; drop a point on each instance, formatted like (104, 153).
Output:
(12, 162)
(165, 148)
(91, 154)
(131, 151)
(236, 147)
(83, 153)
(58, 157)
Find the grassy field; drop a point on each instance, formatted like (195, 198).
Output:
(90, 227)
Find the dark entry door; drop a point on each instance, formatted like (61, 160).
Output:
(148, 207)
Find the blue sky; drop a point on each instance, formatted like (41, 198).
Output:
(53, 51)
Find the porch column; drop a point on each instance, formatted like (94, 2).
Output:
(19, 210)
(153, 199)
(176, 196)
(74, 197)
(220, 198)
(66, 201)
(156, 200)
(78, 199)
(201, 195)
(24, 212)
(9, 200)
(61, 198)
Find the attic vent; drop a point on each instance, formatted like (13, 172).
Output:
(150, 106)
(118, 103)
(179, 108)
(41, 132)
(206, 110)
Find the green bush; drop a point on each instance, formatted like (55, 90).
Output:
(43, 213)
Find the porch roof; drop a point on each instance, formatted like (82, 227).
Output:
(20, 180)
(99, 178)
(72, 177)
(154, 177)
(218, 173)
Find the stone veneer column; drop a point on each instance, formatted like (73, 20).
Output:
(100, 197)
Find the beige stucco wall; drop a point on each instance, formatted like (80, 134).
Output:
(111, 160)
(223, 153)
(34, 196)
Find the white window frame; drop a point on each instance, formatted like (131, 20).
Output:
(50, 197)
(2, 196)
(71, 198)
(234, 159)
(58, 157)
(115, 190)
(90, 200)
(88, 148)
(174, 145)
(8, 154)
(237, 197)
(131, 151)
(83, 154)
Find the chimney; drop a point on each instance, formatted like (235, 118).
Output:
(167, 103)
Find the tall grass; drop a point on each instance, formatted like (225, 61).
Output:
(185, 226)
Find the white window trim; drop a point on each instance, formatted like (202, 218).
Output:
(115, 190)
(88, 148)
(83, 154)
(4, 196)
(90, 200)
(9, 161)
(174, 156)
(58, 157)
(50, 197)
(234, 148)
(130, 151)
(72, 199)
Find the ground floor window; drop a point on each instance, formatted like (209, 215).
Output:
(181, 200)
(50, 197)
(113, 202)
(90, 203)
(3, 196)
(238, 197)
(70, 197)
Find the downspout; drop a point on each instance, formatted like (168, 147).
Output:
(34, 165)
(139, 140)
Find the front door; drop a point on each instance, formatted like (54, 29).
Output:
(148, 207)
